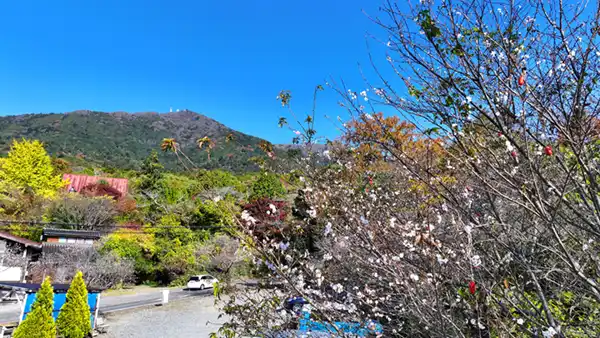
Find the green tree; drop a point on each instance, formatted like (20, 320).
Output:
(139, 247)
(267, 186)
(28, 167)
(74, 317)
(39, 322)
(211, 179)
(174, 245)
(152, 171)
(212, 214)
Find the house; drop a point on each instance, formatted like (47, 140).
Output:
(78, 182)
(15, 255)
(54, 240)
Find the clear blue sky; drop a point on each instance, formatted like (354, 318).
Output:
(225, 59)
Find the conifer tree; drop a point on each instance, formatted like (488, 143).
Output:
(39, 322)
(74, 317)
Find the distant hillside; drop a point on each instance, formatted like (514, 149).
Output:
(124, 140)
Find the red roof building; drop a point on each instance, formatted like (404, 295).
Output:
(78, 182)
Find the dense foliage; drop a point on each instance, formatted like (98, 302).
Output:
(39, 322)
(122, 140)
(29, 168)
(267, 186)
(74, 317)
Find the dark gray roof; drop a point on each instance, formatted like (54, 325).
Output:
(26, 242)
(53, 247)
(69, 233)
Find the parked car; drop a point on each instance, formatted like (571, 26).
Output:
(201, 282)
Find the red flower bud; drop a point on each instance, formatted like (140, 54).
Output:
(521, 80)
(548, 150)
(472, 287)
(499, 134)
(513, 154)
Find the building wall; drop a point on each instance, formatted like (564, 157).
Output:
(69, 240)
(10, 274)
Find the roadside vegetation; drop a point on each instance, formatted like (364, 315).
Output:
(169, 226)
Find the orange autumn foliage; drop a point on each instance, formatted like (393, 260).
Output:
(381, 142)
(381, 136)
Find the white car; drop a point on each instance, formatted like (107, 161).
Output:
(201, 282)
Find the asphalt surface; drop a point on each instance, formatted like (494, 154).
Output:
(110, 304)
(194, 317)
(9, 313)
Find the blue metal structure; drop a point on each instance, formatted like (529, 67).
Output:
(60, 297)
(310, 328)
(59, 301)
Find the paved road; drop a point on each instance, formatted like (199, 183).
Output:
(119, 303)
(10, 312)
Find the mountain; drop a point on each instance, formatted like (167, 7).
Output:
(124, 140)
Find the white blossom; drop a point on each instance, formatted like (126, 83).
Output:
(337, 288)
(551, 332)
(476, 261)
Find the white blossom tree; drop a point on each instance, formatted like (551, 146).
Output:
(478, 215)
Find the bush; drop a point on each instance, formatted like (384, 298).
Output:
(104, 270)
(175, 188)
(82, 213)
(174, 245)
(221, 254)
(265, 217)
(126, 205)
(74, 317)
(39, 322)
(214, 179)
(210, 214)
(267, 186)
(138, 248)
(102, 188)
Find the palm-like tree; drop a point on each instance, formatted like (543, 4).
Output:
(206, 143)
(170, 144)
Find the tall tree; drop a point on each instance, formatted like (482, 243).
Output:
(206, 143)
(39, 323)
(152, 171)
(28, 167)
(170, 144)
